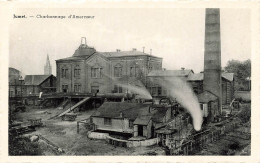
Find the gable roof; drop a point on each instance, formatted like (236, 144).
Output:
(142, 120)
(206, 97)
(35, 79)
(169, 73)
(200, 76)
(121, 110)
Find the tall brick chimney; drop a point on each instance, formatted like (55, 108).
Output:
(212, 56)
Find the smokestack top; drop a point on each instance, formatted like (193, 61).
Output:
(151, 51)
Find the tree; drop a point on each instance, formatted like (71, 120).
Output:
(241, 70)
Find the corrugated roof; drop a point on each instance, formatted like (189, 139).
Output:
(206, 97)
(180, 73)
(142, 120)
(200, 76)
(35, 79)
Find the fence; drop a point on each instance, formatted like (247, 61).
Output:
(200, 140)
(128, 143)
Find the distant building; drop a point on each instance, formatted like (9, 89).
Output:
(47, 67)
(15, 85)
(154, 83)
(35, 84)
(195, 80)
(227, 81)
(90, 71)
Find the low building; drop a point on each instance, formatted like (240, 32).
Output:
(134, 119)
(195, 80)
(154, 80)
(209, 104)
(34, 84)
(15, 85)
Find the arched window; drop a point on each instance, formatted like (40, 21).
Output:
(77, 71)
(118, 70)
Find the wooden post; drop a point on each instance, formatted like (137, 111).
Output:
(77, 127)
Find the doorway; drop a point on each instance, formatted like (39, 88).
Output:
(140, 130)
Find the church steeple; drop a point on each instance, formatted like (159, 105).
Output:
(47, 67)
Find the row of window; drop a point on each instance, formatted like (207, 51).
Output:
(94, 89)
(98, 72)
(77, 88)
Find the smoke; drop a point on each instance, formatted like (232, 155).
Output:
(183, 93)
(140, 90)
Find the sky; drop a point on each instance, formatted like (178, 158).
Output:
(176, 35)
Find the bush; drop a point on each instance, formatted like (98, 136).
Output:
(19, 146)
(245, 113)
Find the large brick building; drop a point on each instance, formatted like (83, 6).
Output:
(90, 71)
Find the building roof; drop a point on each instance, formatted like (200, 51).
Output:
(125, 53)
(169, 73)
(14, 75)
(85, 52)
(121, 110)
(196, 77)
(35, 79)
(206, 97)
(200, 76)
(228, 76)
(142, 120)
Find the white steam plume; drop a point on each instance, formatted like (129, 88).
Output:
(140, 90)
(181, 90)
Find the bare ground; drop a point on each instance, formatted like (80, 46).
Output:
(64, 135)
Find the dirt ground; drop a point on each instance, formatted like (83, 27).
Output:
(64, 135)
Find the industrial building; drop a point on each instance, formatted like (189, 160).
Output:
(90, 71)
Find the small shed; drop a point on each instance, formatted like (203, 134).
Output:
(209, 105)
(143, 126)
